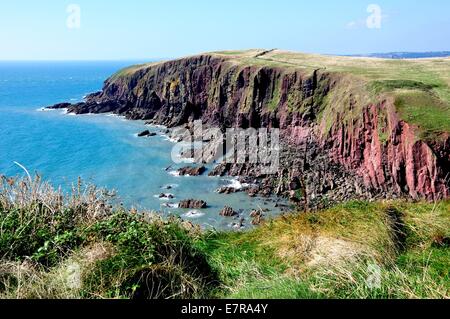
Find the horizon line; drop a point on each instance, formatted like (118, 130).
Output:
(152, 59)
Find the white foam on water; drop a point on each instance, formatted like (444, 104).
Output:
(44, 109)
(169, 139)
(165, 198)
(236, 184)
(171, 205)
(194, 214)
(174, 173)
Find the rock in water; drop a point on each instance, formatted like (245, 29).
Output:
(226, 190)
(257, 217)
(193, 204)
(192, 171)
(144, 133)
(166, 196)
(228, 212)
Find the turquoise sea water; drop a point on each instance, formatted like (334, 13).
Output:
(101, 149)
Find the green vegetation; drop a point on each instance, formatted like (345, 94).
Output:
(276, 94)
(391, 85)
(419, 88)
(424, 110)
(369, 80)
(78, 246)
(332, 254)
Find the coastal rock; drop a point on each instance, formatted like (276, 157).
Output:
(346, 149)
(239, 225)
(228, 212)
(227, 190)
(192, 171)
(60, 106)
(166, 196)
(253, 191)
(146, 133)
(257, 217)
(192, 204)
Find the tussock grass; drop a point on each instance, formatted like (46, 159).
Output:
(338, 253)
(55, 245)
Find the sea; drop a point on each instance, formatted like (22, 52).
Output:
(101, 149)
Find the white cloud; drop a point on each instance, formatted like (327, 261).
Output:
(373, 21)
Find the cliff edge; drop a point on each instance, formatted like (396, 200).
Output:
(373, 127)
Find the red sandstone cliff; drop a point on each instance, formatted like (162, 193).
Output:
(373, 143)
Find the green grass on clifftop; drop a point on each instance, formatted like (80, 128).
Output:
(78, 246)
(334, 253)
(419, 87)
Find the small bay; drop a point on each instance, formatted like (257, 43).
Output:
(101, 149)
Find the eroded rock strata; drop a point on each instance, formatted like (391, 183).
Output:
(338, 145)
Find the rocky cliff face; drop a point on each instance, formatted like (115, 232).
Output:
(399, 164)
(371, 153)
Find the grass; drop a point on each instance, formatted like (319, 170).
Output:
(428, 78)
(424, 84)
(78, 246)
(423, 109)
(332, 254)
(419, 87)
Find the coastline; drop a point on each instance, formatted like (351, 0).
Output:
(232, 184)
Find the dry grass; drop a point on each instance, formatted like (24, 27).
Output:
(337, 253)
(27, 280)
(76, 245)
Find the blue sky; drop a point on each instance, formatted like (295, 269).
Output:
(138, 29)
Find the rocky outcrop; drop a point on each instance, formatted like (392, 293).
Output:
(228, 212)
(227, 190)
(401, 164)
(146, 133)
(257, 217)
(192, 204)
(336, 146)
(166, 196)
(191, 171)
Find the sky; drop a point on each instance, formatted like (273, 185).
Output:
(141, 30)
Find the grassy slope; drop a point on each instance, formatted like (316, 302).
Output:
(420, 88)
(80, 247)
(328, 254)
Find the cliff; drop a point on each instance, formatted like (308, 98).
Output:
(369, 127)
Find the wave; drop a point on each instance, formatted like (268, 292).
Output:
(166, 197)
(169, 139)
(194, 214)
(174, 173)
(44, 109)
(236, 184)
(171, 205)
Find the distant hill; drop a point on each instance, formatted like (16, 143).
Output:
(405, 55)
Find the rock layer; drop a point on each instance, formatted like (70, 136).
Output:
(370, 153)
